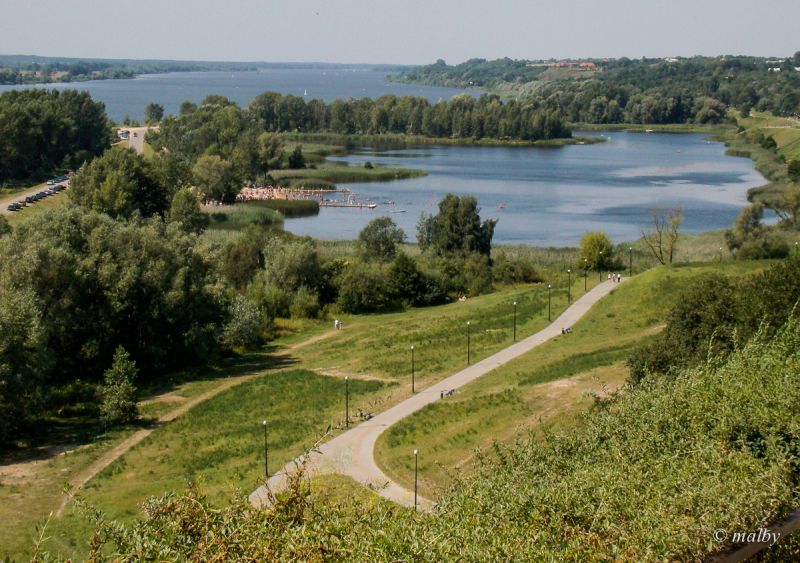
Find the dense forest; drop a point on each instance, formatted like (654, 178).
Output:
(695, 90)
(47, 132)
(220, 124)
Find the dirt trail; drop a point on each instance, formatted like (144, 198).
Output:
(79, 481)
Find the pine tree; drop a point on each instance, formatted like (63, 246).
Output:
(118, 393)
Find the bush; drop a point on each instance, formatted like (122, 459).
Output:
(767, 245)
(305, 304)
(118, 393)
(244, 326)
(363, 288)
(271, 299)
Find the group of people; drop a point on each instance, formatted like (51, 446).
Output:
(616, 278)
(337, 324)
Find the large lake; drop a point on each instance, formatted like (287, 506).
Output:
(540, 196)
(551, 197)
(130, 96)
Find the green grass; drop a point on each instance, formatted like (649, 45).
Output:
(519, 394)
(338, 173)
(237, 217)
(288, 207)
(219, 445)
(393, 139)
(33, 209)
(378, 345)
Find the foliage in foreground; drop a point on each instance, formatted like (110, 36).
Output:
(655, 473)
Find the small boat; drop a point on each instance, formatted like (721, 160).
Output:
(305, 91)
(501, 205)
(648, 130)
(399, 211)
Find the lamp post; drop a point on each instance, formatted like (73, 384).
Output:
(515, 321)
(630, 260)
(569, 285)
(412, 370)
(720, 254)
(266, 451)
(549, 287)
(468, 343)
(585, 274)
(416, 473)
(347, 401)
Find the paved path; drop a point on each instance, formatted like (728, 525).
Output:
(352, 453)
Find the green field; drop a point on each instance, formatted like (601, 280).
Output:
(549, 383)
(338, 173)
(237, 217)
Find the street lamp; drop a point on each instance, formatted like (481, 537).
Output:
(416, 473)
(569, 285)
(266, 451)
(549, 287)
(347, 401)
(585, 274)
(468, 343)
(630, 260)
(720, 254)
(515, 321)
(412, 370)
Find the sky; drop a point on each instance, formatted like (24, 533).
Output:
(396, 31)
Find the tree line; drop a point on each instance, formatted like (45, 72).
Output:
(695, 90)
(43, 132)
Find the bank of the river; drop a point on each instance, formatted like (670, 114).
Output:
(403, 140)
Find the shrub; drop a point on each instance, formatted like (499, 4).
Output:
(305, 304)
(244, 326)
(363, 288)
(271, 299)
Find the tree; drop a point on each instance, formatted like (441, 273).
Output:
(270, 154)
(243, 329)
(120, 183)
(662, 240)
(296, 159)
(118, 392)
(457, 228)
(787, 206)
(747, 226)
(24, 358)
(153, 113)
(379, 239)
(597, 251)
(216, 179)
(185, 209)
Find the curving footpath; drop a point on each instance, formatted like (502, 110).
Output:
(352, 453)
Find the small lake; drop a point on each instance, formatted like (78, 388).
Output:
(552, 196)
(130, 96)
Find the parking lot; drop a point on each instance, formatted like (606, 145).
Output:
(20, 201)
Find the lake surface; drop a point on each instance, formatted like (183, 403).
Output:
(551, 197)
(130, 96)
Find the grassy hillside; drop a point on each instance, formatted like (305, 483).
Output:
(548, 384)
(652, 476)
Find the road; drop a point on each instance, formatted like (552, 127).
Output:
(352, 453)
(136, 139)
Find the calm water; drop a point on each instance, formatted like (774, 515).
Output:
(129, 97)
(548, 196)
(552, 196)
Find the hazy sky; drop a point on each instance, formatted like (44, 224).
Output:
(399, 31)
